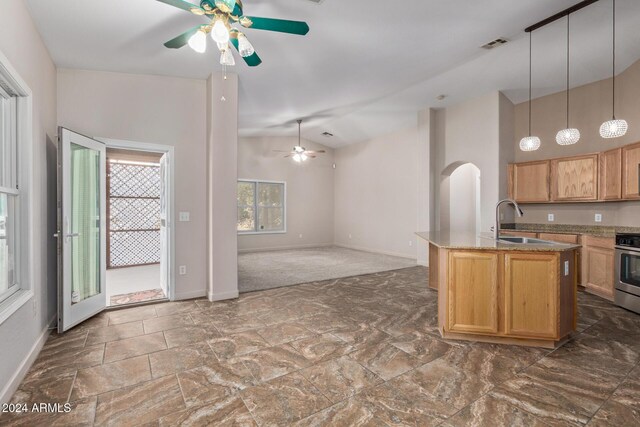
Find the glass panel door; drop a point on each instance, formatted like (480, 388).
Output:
(81, 232)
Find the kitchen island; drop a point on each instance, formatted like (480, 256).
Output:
(503, 292)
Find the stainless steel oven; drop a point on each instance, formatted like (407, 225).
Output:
(627, 270)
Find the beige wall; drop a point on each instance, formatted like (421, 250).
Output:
(310, 191)
(222, 175)
(21, 44)
(590, 106)
(472, 132)
(376, 194)
(463, 208)
(159, 110)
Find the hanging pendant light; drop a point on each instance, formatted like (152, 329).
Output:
(530, 143)
(568, 136)
(614, 128)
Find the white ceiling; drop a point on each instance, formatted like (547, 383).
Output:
(364, 69)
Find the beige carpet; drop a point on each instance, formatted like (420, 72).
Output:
(273, 269)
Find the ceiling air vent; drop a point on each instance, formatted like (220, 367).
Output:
(327, 134)
(495, 43)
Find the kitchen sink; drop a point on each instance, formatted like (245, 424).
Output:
(525, 241)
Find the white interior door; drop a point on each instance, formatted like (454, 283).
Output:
(81, 228)
(164, 226)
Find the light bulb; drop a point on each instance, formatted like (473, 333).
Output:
(568, 136)
(530, 143)
(198, 41)
(614, 129)
(226, 58)
(303, 157)
(297, 158)
(219, 32)
(244, 46)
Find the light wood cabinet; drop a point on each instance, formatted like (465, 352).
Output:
(611, 175)
(598, 275)
(518, 234)
(531, 295)
(560, 238)
(574, 178)
(473, 292)
(530, 181)
(433, 266)
(631, 172)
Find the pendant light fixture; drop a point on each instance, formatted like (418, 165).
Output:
(530, 143)
(614, 128)
(568, 136)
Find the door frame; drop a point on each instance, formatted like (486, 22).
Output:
(168, 150)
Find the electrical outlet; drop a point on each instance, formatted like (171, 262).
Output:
(184, 217)
(410, 242)
(566, 268)
(349, 235)
(598, 218)
(182, 270)
(299, 236)
(34, 305)
(551, 217)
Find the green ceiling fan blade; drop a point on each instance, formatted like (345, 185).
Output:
(279, 25)
(182, 39)
(252, 60)
(184, 5)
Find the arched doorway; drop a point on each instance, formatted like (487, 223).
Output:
(460, 198)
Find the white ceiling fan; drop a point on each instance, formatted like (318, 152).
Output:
(299, 153)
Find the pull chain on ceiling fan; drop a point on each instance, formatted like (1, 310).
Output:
(222, 14)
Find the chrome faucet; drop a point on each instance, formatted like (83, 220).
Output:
(496, 229)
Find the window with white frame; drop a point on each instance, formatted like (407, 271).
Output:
(261, 207)
(8, 196)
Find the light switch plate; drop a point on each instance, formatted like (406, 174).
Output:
(184, 217)
(566, 268)
(598, 218)
(551, 217)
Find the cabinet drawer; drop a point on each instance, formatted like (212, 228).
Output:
(560, 238)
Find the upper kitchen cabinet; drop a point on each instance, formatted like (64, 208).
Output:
(574, 178)
(530, 181)
(630, 171)
(611, 174)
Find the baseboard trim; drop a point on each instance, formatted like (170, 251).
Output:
(190, 295)
(13, 384)
(285, 248)
(372, 251)
(221, 296)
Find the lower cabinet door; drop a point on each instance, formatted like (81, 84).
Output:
(531, 295)
(473, 292)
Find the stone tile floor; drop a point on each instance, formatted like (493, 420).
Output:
(350, 352)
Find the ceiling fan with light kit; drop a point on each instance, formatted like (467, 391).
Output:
(222, 14)
(300, 154)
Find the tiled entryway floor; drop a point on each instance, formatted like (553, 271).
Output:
(355, 351)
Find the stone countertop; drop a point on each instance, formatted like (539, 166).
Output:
(592, 230)
(485, 241)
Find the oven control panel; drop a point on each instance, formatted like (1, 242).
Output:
(628, 240)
